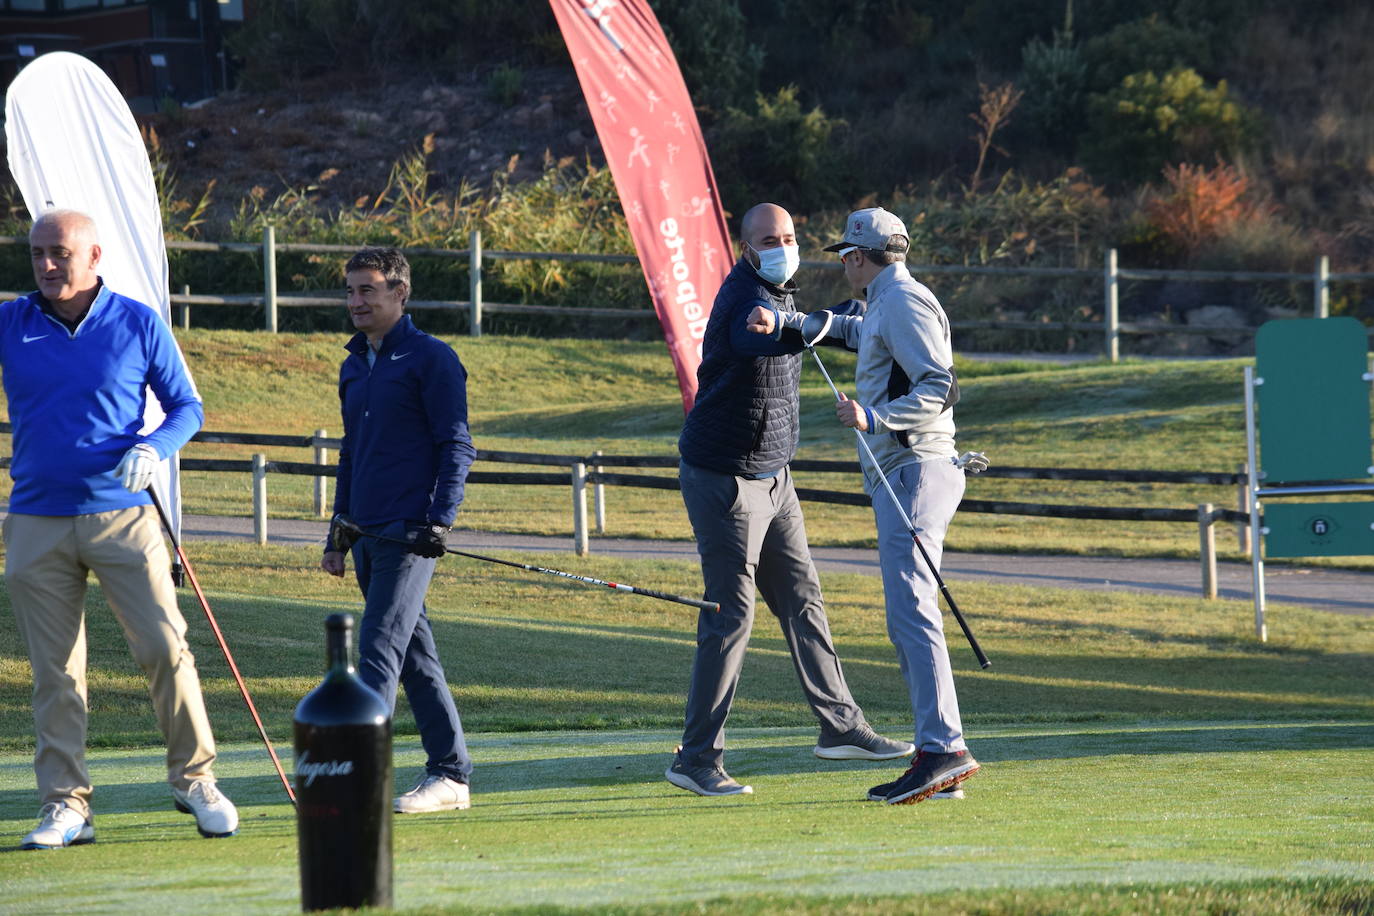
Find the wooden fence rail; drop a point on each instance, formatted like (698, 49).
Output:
(584, 470)
(1110, 327)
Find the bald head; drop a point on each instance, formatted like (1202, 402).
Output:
(65, 253)
(767, 226)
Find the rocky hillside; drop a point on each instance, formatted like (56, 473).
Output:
(343, 141)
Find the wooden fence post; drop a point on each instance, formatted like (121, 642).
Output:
(1243, 506)
(475, 282)
(579, 494)
(321, 482)
(260, 498)
(599, 497)
(1321, 292)
(269, 276)
(1208, 542)
(185, 315)
(1110, 322)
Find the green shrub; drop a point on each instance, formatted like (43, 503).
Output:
(504, 85)
(1018, 222)
(1149, 121)
(778, 151)
(1144, 44)
(710, 39)
(286, 41)
(1054, 79)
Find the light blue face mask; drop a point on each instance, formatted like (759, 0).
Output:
(777, 265)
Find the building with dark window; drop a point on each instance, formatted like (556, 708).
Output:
(153, 50)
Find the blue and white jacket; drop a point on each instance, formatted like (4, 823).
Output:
(406, 447)
(76, 400)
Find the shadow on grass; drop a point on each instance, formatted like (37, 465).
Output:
(580, 667)
(607, 771)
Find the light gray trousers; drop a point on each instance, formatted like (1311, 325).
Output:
(929, 493)
(751, 532)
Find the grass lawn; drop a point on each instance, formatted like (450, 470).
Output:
(577, 396)
(1062, 818)
(1142, 754)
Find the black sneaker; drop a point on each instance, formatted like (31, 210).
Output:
(880, 793)
(860, 743)
(704, 780)
(929, 773)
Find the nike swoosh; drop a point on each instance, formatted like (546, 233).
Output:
(28, 339)
(399, 355)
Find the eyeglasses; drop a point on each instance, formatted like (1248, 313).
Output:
(845, 252)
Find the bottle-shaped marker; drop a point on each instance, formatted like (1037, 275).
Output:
(343, 785)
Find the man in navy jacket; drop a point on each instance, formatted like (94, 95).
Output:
(404, 459)
(736, 445)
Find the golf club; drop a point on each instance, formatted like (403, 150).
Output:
(352, 527)
(809, 341)
(224, 646)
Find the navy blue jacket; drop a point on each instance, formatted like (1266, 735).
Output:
(744, 419)
(406, 448)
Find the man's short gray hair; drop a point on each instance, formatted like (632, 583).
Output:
(82, 222)
(883, 258)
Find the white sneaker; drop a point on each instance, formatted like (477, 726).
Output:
(434, 793)
(216, 815)
(59, 826)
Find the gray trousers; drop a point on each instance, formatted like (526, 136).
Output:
(929, 492)
(751, 532)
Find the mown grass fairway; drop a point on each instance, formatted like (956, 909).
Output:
(578, 819)
(1141, 754)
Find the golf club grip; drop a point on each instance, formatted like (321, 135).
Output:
(949, 599)
(983, 661)
(680, 599)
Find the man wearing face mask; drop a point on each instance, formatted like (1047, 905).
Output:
(736, 445)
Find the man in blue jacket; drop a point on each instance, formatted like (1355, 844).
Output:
(736, 445)
(404, 459)
(77, 357)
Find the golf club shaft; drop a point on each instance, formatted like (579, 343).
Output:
(224, 646)
(901, 512)
(618, 586)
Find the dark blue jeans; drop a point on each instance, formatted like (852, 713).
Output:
(396, 645)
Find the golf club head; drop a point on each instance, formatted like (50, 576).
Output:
(343, 533)
(344, 523)
(815, 326)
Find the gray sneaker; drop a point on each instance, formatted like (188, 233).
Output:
(704, 780)
(880, 793)
(861, 743)
(930, 773)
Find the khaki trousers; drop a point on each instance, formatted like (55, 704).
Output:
(47, 560)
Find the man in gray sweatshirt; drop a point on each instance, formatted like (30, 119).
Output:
(905, 391)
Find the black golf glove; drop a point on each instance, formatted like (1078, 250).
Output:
(429, 540)
(343, 533)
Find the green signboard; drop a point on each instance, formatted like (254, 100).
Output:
(1313, 401)
(1319, 529)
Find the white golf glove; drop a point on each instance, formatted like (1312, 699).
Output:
(972, 462)
(137, 467)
